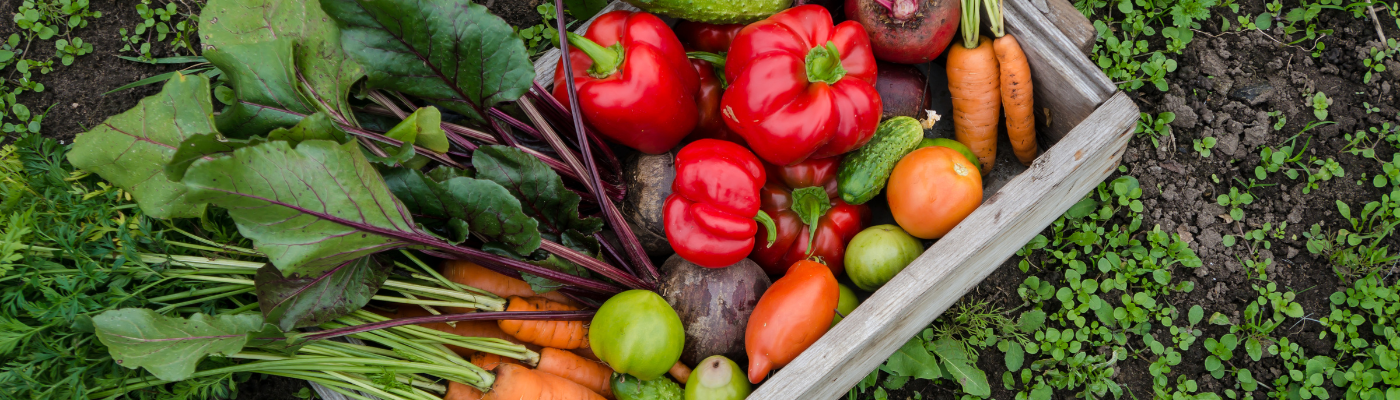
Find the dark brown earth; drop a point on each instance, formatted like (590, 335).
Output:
(75, 91)
(1179, 190)
(1179, 186)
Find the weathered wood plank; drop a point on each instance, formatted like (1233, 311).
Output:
(1071, 22)
(1068, 87)
(957, 263)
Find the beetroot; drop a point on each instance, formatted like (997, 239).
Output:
(903, 90)
(907, 31)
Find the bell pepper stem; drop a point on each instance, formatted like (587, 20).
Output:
(824, 64)
(768, 225)
(714, 59)
(716, 63)
(810, 204)
(606, 60)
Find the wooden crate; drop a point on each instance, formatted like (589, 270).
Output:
(1085, 124)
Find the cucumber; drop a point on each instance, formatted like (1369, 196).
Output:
(714, 11)
(863, 173)
(955, 145)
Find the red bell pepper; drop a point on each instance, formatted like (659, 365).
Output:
(802, 201)
(707, 44)
(710, 215)
(712, 38)
(635, 84)
(800, 88)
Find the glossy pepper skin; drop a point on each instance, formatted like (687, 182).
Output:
(715, 39)
(700, 36)
(835, 229)
(795, 311)
(800, 88)
(709, 216)
(635, 84)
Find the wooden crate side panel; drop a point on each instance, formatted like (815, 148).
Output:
(956, 264)
(1069, 20)
(1067, 84)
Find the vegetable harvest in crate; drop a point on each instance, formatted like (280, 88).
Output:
(391, 172)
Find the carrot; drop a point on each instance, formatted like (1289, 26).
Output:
(1016, 97)
(457, 391)
(486, 329)
(488, 361)
(556, 334)
(586, 353)
(973, 80)
(514, 382)
(591, 374)
(471, 274)
(681, 372)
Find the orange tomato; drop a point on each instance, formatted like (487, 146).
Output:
(931, 190)
(795, 311)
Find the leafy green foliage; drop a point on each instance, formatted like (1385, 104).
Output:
(1360, 250)
(308, 208)
(280, 54)
(455, 204)
(1125, 27)
(1155, 127)
(37, 22)
(1319, 105)
(171, 348)
(132, 148)
(47, 343)
(458, 56)
(299, 301)
(160, 24)
(1203, 146)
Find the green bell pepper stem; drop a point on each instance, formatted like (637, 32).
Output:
(767, 222)
(824, 64)
(606, 60)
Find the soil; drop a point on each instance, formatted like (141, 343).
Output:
(1225, 87)
(75, 92)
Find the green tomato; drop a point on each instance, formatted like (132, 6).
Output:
(637, 333)
(628, 387)
(717, 378)
(879, 252)
(846, 304)
(952, 144)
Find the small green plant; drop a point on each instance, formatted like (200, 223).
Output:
(1234, 200)
(38, 21)
(1155, 127)
(1203, 146)
(160, 24)
(1375, 62)
(1360, 250)
(1282, 119)
(1319, 105)
(541, 37)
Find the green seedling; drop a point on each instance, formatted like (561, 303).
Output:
(1203, 146)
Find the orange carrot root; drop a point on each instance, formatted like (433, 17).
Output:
(457, 391)
(1017, 98)
(514, 382)
(556, 334)
(471, 274)
(974, 80)
(489, 361)
(681, 372)
(591, 374)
